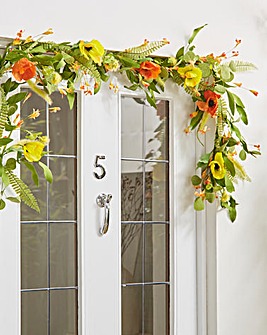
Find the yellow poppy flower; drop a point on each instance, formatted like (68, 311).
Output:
(217, 166)
(93, 49)
(191, 74)
(33, 151)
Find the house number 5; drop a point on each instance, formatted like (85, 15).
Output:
(102, 171)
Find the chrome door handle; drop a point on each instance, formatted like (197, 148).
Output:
(103, 201)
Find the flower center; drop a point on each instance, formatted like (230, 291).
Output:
(88, 48)
(216, 166)
(211, 103)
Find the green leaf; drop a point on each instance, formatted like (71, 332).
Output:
(242, 114)
(195, 120)
(151, 100)
(2, 204)
(190, 57)
(15, 98)
(10, 85)
(231, 100)
(219, 89)
(205, 69)
(229, 166)
(180, 53)
(199, 204)
(12, 109)
(47, 172)
(133, 87)
(71, 99)
(210, 197)
(11, 164)
(5, 141)
(238, 100)
(229, 185)
(34, 174)
(225, 72)
(242, 155)
(14, 199)
(196, 180)
(232, 213)
(128, 62)
(195, 32)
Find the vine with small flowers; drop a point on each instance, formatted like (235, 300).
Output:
(48, 66)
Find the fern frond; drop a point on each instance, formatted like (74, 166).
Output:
(88, 66)
(222, 108)
(241, 66)
(22, 190)
(144, 50)
(240, 171)
(3, 112)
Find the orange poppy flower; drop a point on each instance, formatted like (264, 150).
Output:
(149, 70)
(211, 103)
(23, 69)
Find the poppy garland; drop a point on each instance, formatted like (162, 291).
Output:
(209, 80)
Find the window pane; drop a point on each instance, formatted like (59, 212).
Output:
(132, 191)
(156, 252)
(132, 128)
(63, 254)
(156, 131)
(156, 309)
(62, 192)
(34, 255)
(132, 310)
(157, 192)
(132, 253)
(62, 127)
(34, 307)
(63, 311)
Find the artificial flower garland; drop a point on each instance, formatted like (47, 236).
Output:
(49, 66)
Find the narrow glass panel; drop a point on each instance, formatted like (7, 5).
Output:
(62, 127)
(40, 193)
(132, 310)
(132, 253)
(132, 191)
(34, 255)
(34, 317)
(156, 309)
(63, 254)
(132, 128)
(63, 312)
(62, 191)
(157, 192)
(156, 252)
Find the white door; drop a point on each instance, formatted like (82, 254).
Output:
(114, 248)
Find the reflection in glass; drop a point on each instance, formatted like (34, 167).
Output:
(34, 313)
(63, 254)
(156, 309)
(132, 253)
(156, 125)
(156, 253)
(132, 140)
(62, 127)
(35, 102)
(34, 255)
(62, 192)
(40, 192)
(157, 192)
(63, 312)
(132, 191)
(132, 310)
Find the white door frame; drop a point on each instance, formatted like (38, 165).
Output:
(193, 236)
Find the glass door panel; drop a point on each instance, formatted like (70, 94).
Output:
(145, 217)
(49, 283)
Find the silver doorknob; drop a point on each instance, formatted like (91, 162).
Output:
(103, 201)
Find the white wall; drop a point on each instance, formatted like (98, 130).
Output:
(242, 247)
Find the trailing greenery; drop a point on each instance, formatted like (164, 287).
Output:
(209, 80)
